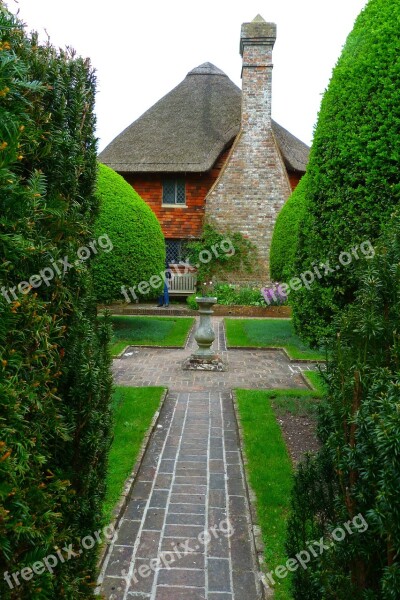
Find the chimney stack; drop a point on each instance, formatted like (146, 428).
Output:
(257, 40)
(254, 184)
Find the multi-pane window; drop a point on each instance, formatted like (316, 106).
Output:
(174, 192)
(175, 250)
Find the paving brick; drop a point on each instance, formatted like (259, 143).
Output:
(176, 593)
(159, 499)
(127, 532)
(148, 545)
(163, 481)
(198, 509)
(217, 498)
(191, 560)
(188, 498)
(142, 577)
(237, 505)
(113, 589)
(184, 519)
(181, 545)
(120, 560)
(191, 479)
(193, 472)
(219, 575)
(244, 585)
(217, 466)
(182, 577)
(141, 490)
(217, 453)
(183, 531)
(184, 488)
(236, 486)
(217, 481)
(154, 519)
(167, 466)
(134, 509)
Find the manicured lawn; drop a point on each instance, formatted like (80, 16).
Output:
(134, 409)
(270, 473)
(269, 467)
(269, 333)
(149, 331)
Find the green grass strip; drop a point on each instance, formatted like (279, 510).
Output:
(149, 331)
(269, 333)
(134, 409)
(270, 474)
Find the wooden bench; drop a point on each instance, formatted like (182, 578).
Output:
(182, 284)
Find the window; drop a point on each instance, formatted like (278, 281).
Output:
(174, 192)
(175, 250)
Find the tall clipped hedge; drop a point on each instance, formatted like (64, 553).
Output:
(55, 380)
(353, 174)
(286, 233)
(138, 243)
(355, 477)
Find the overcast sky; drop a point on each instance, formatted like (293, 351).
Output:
(142, 49)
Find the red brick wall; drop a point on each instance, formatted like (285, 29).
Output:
(179, 223)
(294, 179)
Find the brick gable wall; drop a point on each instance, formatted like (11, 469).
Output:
(254, 184)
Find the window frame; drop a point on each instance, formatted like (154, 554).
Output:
(176, 182)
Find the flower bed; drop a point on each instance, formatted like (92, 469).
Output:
(253, 311)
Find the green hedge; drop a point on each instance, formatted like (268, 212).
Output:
(353, 174)
(55, 379)
(138, 251)
(286, 232)
(355, 477)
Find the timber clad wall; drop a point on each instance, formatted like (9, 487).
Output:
(178, 222)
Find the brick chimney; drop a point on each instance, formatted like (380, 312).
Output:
(254, 183)
(257, 40)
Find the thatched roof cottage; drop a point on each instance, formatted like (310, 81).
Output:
(209, 149)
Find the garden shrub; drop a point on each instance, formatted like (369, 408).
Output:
(236, 295)
(138, 243)
(191, 302)
(217, 254)
(353, 181)
(286, 233)
(229, 295)
(359, 424)
(55, 379)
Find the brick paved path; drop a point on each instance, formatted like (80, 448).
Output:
(191, 481)
(248, 369)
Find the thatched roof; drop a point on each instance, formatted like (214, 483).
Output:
(188, 129)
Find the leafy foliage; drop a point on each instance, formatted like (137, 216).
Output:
(358, 469)
(138, 242)
(286, 233)
(353, 181)
(217, 254)
(55, 380)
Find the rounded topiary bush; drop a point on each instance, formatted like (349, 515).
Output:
(353, 177)
(285, 236)
(133, 243)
